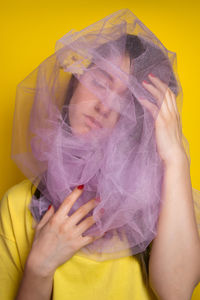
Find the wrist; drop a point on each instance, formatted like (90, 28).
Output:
(35, 285)
(32, 269)
(179, 159)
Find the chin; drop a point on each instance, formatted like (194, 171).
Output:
(80, 130)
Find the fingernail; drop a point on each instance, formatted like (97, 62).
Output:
(152, 75)
(80, 187)
(144, 81)
(49, 206)
(102, 210)
(98, 199)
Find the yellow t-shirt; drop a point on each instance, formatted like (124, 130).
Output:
(78, 278)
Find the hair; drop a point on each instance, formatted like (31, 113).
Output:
(134, 48)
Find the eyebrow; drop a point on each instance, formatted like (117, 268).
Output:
(106, 74)
(110, 78)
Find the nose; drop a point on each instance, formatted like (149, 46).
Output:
(102, 109)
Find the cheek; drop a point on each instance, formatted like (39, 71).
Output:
(82, 98)
(77, 107)
(75, 103)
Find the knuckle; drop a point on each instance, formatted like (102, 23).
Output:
(92, 203)
(67, 203)
(54, 221)
(70, 234)
(83, 210)
(62, 228)
(90, 220)
(86, 223)
(65, 230)
(69, 199)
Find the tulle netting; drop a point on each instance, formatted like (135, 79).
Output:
(79, 119)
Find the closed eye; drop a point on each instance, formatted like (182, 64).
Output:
(98, 84)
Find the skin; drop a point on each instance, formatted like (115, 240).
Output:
(84, 102)
(174, 266)
(58, 238)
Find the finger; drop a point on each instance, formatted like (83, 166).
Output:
(84, 225)
(152, 108)
(169, 105)
(46, 217)
(173, 101)
(159, 84)
(169, 95)
(124, 236)
(158, 95)
(82, 211)
(34, 224)
(121, 234)
(169, 102)
(69, 202)
(90, 239)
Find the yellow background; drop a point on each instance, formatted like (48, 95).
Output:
(29, 30)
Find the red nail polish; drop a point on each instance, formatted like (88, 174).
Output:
(152, 75)
(80, 187)
(98, 199)
(102, 210)
(49, 206)
(145, 81)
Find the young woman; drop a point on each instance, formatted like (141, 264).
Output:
(97, 170)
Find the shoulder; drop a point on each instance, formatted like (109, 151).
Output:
(16, 233)
(16, 194)
(18, 189)
(14, 207)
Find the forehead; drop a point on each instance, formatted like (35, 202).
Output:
(116, 71)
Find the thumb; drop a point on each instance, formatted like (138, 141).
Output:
(46, 217)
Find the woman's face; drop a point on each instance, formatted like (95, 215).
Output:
(87, 111)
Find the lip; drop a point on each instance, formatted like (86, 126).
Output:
(92, 122)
